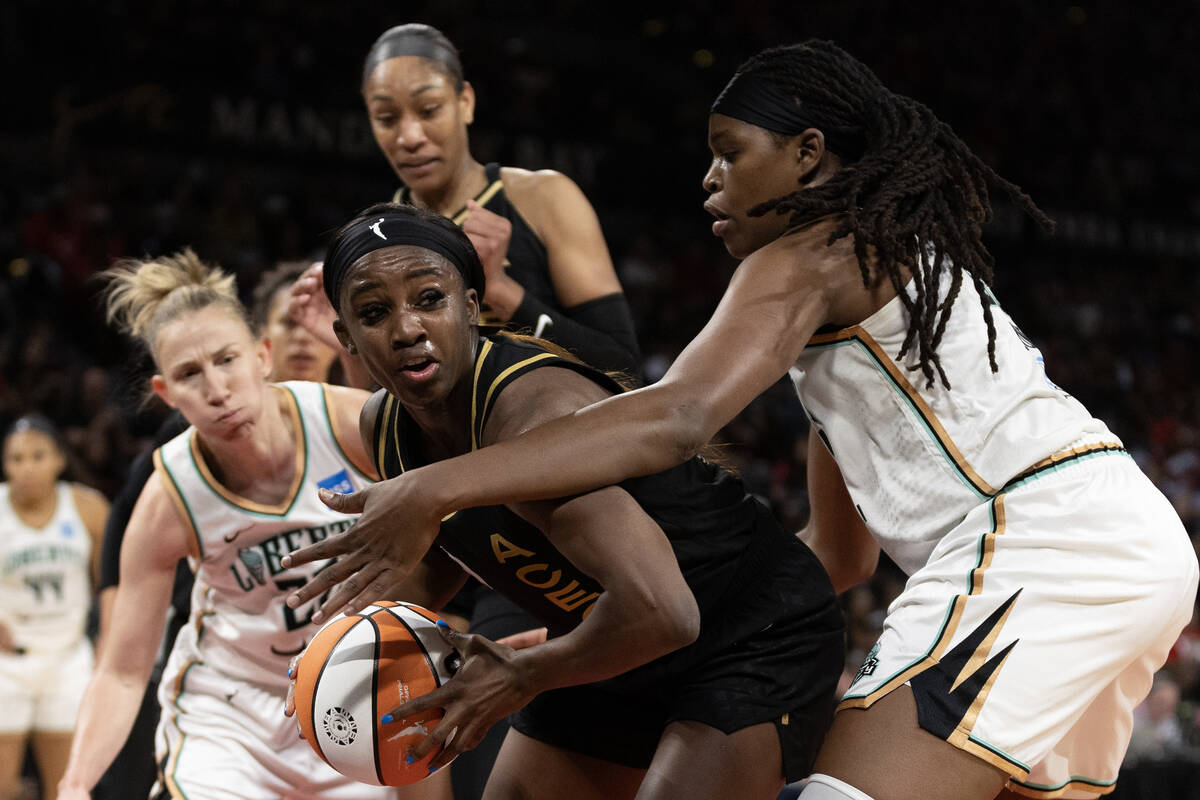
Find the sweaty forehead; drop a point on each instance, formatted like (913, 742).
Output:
(402, 262)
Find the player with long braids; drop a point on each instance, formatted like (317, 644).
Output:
(1047, 576)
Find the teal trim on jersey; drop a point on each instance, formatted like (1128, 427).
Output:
(1067, 462)
(299, 487)
(941, 632)
(336, 443)
(1040, 787)
(179, 493)
(962, 476)
(993, 749)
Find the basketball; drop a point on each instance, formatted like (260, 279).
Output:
(360, 667)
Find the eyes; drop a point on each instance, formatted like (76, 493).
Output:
(389, 118)
(373, 312)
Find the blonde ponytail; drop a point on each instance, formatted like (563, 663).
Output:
(142, 296)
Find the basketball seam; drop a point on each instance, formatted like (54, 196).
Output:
(437, 676)
(316, 686)
(375, 699)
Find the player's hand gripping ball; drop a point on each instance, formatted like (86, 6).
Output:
(358, 668)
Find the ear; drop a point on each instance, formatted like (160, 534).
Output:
(809, 148)
(159, 384)
(263, 350)
(466, 99)
(472, 307)
(343, 336)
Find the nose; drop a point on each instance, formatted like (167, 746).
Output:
(410, 133)
(711, 181)
(409, 330)
(216, 388)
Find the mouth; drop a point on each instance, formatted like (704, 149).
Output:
(418, 370)
(417, 166)
(722, 221)
(228, 416)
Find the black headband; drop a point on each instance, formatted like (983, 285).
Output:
(391, 229)
(763, 105)
(404, 40)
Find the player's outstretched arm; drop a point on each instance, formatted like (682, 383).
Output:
(155, 541)
(778, 297)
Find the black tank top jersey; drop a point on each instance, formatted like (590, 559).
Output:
(526, 261)
(724, 540)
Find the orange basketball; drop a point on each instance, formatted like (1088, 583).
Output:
(360, 667)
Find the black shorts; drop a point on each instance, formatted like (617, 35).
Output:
(785, 673)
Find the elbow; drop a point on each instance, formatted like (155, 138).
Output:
(846, 576)
(678, 622)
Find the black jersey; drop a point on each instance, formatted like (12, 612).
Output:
(725, 541)
(526, 261)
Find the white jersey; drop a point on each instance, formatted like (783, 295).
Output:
(45, 585)
(916, 458)
(240, 625)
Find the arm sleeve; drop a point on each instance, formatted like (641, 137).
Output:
(599, 331)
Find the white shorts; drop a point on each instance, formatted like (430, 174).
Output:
(1038, 623)
(221, 739)
(41, 691)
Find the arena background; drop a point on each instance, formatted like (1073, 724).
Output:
(236, 127)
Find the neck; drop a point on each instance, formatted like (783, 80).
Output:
(33, 502)
(466, 182)
(268, 447)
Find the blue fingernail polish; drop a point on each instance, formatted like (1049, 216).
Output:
(409, 760)
(385, 719)
(441, 623)
(301, 734)
(432, 770)
(290, 671)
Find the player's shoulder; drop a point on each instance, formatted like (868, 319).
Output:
(537, 187)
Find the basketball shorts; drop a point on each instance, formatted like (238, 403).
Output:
(1037, 625)
(784, 673)
(41, 691)
(222, 739)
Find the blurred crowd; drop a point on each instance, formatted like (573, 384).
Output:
(1086, 119)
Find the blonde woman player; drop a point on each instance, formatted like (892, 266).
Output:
(49, 541)
(233, 493)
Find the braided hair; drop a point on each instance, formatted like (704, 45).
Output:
(915, 193)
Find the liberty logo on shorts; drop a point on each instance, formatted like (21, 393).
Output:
(337, 482)
(340, 726)
(869, 665)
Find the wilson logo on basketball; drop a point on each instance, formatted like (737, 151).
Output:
(340, 726)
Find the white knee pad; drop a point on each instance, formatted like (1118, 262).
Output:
(824, 787)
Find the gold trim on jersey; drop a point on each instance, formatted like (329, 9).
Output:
(381, 446)
(335, 431)
(281, 508)
(479, 359)
(1079, 784)
(195, 547)
(856, 333)
(483, 198)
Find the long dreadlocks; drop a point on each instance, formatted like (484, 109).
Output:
(916, 193)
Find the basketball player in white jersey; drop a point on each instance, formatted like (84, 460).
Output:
(1048, 577)
(233, 493)
(49, 542)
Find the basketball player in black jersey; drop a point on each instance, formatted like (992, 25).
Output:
(548, 269)
(694, 644)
